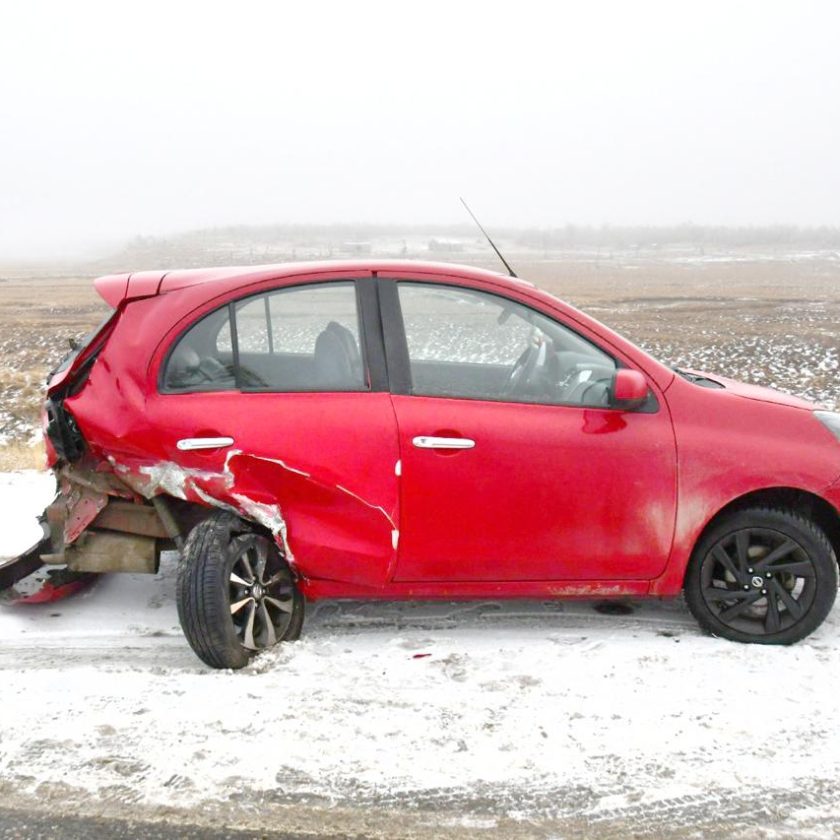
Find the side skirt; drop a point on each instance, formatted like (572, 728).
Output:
(442, 591)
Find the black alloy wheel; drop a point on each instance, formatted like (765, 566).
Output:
(762, 575)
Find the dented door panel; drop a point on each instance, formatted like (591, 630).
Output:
(316, 469)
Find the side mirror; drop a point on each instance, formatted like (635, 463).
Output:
(630, 389)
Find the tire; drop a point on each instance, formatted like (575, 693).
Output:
(236, 594)
(762, 575)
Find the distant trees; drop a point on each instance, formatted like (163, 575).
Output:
(622, 237)
(242, 244)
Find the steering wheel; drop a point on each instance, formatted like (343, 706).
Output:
(586, 385)
(522, 371)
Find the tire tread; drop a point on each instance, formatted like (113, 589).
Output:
(827, 578)
(202, 578)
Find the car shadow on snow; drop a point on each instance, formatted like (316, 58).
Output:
(650, 615)
(132, 620)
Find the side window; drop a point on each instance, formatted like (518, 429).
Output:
(474, 345)
(252, 325)
(203, 358)
(305, 338)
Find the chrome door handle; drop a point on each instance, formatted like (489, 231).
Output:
(188, 444)
(427, 442)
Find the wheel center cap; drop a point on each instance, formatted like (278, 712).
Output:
(257, 591)
(758, 582)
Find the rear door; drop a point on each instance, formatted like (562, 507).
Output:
(514, 467)
(282, 394)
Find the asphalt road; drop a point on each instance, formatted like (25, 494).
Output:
(22, 825)
(796, 814)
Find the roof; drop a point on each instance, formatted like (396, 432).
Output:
(115, 288)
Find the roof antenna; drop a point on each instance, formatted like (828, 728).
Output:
(511, 272)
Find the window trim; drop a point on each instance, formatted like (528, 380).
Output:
(367, 347)
(372, 336)
(396, 343)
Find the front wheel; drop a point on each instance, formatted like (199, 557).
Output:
(762, 575)
(236, 593)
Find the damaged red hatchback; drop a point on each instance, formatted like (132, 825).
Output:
(409, 430)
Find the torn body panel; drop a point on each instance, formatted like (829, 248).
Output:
(95, 523)
(101, 520)
(326, 518)
(83, 492)
(314, 469)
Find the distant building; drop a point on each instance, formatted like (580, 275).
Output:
(446, 246)
(356, 248)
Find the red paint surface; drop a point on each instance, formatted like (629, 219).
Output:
(542, 496)
(554, 501)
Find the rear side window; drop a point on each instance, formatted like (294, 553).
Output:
(304, 338)
(202, 360)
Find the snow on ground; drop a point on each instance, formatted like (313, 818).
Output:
(23, 495)
(483, 711)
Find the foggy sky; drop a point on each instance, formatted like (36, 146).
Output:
(148, 118)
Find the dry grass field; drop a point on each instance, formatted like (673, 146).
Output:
(770, 320)
(40, 311)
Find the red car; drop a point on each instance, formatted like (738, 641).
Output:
(405, 430)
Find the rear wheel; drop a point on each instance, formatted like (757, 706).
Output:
(236, 593)
(762, 575)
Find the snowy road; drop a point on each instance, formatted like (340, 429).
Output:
(517, 719)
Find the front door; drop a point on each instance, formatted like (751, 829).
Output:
(513, 465)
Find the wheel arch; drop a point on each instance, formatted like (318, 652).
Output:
(803, 502)
(187, 514)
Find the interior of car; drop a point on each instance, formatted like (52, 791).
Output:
(461, 343)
